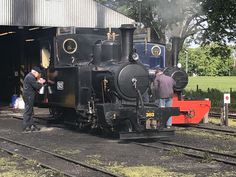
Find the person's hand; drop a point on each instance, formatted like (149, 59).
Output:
(41, 80)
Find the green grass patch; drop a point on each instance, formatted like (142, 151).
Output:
(146, 171)
(224, 174)
(17, 167)
(94, 160)
(212, 88)
(231, 122)
(175, 152)
(6, 163)
(204, 82)
(123, 169)
(134, 171)
(70, 151)
(206, 134)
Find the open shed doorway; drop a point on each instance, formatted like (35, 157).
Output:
(10, 51)
(19, 52)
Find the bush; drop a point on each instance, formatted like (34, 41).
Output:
(233, 72)
(215, 95)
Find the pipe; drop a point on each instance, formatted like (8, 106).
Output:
(127, 31)
(175, 51)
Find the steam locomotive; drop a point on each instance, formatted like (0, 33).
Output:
(101, 80)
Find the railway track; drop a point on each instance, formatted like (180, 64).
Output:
(218, 115)
(39, 164)
(214, 155)
(48, 119)
(47, 159)
(216, 130)
(220, 129)
(195, 152)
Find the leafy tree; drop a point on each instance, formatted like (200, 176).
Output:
(201, 62)
(203, 21)
(220, 16)
(212, 20)
(166, 18)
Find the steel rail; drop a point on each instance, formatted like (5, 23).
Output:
(190, 154)
(40, 164)
(63, 157)
(231, 132)
(198, 149)
(215, 114)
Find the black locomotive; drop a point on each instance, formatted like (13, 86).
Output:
(101, 79)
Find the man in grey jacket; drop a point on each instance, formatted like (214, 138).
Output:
(164, 91)
(32, 83)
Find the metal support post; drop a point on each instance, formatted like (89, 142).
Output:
(140, 11)
(226, 114)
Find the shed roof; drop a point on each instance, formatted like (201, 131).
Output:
(59, 13)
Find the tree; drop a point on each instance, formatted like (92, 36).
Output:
(220, 16)
(201, 61)
(203, 21)
(167, 18)
(212, 20)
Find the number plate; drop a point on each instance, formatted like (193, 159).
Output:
(150, 114)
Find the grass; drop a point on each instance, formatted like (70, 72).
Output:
(132, 171)
(212, 88)
(206, 134)
(17, 167)
(204, 82)
(94, 160)
(231, 122)
(146, 171)
(141, 170)
(70, 151)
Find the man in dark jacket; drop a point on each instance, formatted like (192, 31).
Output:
(164, 91)
(32, 83)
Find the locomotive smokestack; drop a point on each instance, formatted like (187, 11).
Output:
(127, 31)
(175, 50)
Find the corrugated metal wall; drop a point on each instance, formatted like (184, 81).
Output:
(79, 13)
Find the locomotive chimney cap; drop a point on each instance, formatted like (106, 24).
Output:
(128, 26)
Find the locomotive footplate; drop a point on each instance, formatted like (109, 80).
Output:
(147, 134)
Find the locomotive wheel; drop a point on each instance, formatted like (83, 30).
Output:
(57, 113)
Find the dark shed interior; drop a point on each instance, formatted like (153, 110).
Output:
(19, 48)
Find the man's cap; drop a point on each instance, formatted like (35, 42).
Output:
(36, 68)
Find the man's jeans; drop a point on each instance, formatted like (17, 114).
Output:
(165, 102)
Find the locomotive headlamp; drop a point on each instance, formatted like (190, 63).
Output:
(70, 46)
(179, 65)
(134, 57)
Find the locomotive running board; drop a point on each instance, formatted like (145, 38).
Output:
(147, 135)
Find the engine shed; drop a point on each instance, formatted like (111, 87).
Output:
(24, 22)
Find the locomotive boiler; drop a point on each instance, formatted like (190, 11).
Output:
(102, 81)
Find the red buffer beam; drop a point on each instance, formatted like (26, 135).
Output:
(191, 111)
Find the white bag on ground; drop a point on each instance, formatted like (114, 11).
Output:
(19, 104)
